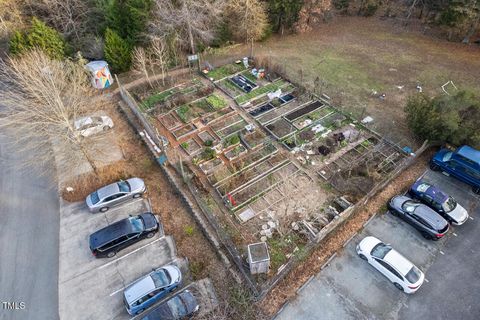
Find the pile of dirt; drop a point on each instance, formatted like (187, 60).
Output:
(286, 289)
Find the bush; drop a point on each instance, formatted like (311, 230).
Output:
(118, 52)
(341, 4)
(452, 119)
(39, 36)
(208, 153)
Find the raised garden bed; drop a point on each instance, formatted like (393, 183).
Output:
(278, 112)
(235, 152)
(281, 128)
(261, 110)
(225, 122)
(243, 83)
(230, 88)
(211, 165)
(253, 139)
(224, 71)
(216, 101)
(183, 131)
(194, 110)
(311, 117)
(271, 87)
(170, 121)
(191, 147)
(234, 128)
(211, 117)
(207, 138)
(304, 110)
(253, 157)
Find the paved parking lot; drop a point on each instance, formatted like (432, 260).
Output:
(91, 288)
(349, 288)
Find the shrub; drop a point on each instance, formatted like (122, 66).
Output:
(39, 36)
(118, 52)
(341, 4)
(452, 119)
(208, 153)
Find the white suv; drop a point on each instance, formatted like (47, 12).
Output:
(401, 272)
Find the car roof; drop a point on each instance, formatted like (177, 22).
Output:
(138, 289)
(187, 299)
(430, 216)
(110, 232)
(430, 190)
(398, 261)
(469, 153)
(108, 190)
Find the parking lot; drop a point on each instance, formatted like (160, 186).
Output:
(91, 288)
(349, 288)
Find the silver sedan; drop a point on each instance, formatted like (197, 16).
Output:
(90, 126)
(114, 194)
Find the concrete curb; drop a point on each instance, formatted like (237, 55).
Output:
(305, 284)
(328, 261)
(349, 239)
(369, 219)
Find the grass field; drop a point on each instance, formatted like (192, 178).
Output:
(353, 57)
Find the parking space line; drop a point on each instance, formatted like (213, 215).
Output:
(426, 280)
(471, 218)
(130, 253)
(456, 235)
(442, 253)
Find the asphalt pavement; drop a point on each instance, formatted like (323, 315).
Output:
(29, 232)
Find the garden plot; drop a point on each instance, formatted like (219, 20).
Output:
(362, 166)
(201, 107)
(170, 121)
(238, 199)
(276, 113)
(235, 152)
(184, 131)
(230, 88)
(191, 147)
(224, 71)
(239, 180)
(281, 128)
(281, 84)
(244, 83)
(243, 163)
(165, 101)
(253, 139)
(228, 125)
(207, 138)
(211, 165)
(255, 110)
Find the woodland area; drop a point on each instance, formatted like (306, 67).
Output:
(129, 32)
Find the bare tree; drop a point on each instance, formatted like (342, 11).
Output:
(193, 20)
(141, 62)
(40, 100)
(160, 56)
(248, 18)
(70, 17)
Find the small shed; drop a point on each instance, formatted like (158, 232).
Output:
(101, 76)
(258, 258)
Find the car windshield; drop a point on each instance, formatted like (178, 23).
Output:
(137, 224)
(449, 205)
(447, 156)
(409, 206)
(177, 307)
(413, 275)
(380, 250)
(123, 186)
(160, 278)
(94, 197)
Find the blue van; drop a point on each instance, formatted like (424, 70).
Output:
(463, 164)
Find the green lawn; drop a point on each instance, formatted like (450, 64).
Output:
(225, 71)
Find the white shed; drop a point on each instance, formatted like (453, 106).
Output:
(258, 258)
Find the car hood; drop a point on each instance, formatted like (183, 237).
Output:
(174, 273)
(149, 220)
(367, 244)
(136, 185)
(459, 214)
(397, 201)
(438, 157)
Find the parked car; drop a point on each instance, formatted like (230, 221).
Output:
(107, 241)
(463, 164)
(114, 194)
(90, 126)
(439, 201)
(151, 288)
(400, 271)
(430, 224)
(181, 306)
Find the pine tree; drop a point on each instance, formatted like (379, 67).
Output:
(283, 13)
(118, 51)
(39, 36)
(128, 18)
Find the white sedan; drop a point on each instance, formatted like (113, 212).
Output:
(89, 126)
(401, 272)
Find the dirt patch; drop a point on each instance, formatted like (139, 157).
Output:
(286, 289)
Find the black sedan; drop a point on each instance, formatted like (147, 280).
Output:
(181, 306)
(430, 224)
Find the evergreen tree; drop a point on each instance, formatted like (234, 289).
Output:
(283, 13)
(118, 51)
(128, 18)
(39, 36)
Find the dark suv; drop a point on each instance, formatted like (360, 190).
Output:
(430, 224)
(108, 241)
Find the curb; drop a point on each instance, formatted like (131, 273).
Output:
(349, 239)
(369, 219)
(305, 284)
(328, 261)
